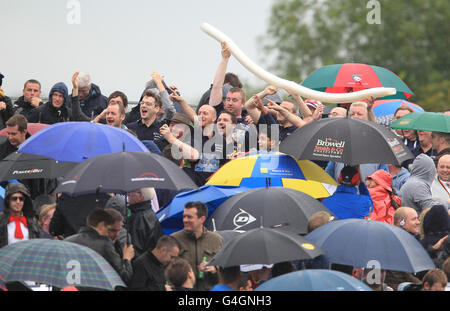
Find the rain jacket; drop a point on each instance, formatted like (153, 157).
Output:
(347, 203)
(436, 225)
(399, 180)
(193, 250)
(33, 228)
(23, 107)
(381, 197)
(416, 192)
(95, 103)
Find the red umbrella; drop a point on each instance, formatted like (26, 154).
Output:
(31, 127)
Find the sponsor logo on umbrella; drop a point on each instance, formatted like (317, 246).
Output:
(32, 171)
(242, 219)
(148, 176)
(329, 148)
(307, 246)
(356, 78)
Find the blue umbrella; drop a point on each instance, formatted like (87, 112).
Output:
(171, 215)
(314, 280)
(361, 242)
(78, 141)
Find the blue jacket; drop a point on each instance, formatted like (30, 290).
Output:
(347, 203)
(399, 179)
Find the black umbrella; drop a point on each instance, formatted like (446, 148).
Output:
(29, 166)
(265, 246)
(123, 172)
(351, 141)
(275, 207)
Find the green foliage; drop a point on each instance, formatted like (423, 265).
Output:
(411, 41)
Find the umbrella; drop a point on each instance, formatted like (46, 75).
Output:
(78, 141)
(56, 263)
(274, 169)
(384, 109)
(264, 246)
(171, 215)
(123, 172)
(32, 128)
(356, 242)
(347, 140)
(227, 235)
(29, 166)
(352, 77)
(277, 206)
(426, 121)
(314, 280)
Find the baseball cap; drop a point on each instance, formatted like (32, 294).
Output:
(312, 103)
(347, 176)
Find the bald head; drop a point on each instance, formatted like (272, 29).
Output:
(207, 114)
(407, 218)
(338, 112)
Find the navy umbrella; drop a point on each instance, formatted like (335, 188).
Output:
(314, 280)
(78, 141)
(123, 172)
(346, 140)
(361, 242)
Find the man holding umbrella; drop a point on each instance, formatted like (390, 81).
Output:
(198, 245)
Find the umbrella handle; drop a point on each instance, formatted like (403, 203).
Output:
(293, 86)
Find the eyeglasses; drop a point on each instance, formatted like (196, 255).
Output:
(15, 198)
(147, 103)
(234, 100)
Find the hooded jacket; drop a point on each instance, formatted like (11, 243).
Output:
(27, 210)
(416, 192)
(436, 225)
(381, 197)
(47, 113)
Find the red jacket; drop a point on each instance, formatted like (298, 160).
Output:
(381, 197)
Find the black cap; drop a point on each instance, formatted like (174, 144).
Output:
(347, 175)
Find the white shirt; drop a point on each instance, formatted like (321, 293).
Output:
(12, 229)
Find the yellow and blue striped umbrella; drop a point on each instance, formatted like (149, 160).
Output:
(275, 169)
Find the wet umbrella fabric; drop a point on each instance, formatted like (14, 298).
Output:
(314, 280)
(171, 215)
(29, 166)
(276, 206)
(351, 141)
(78, 141)
(123, 172)
(357, 242)
(274, 169)
(265, 246)
(352, 77)
(426, 121)
(56, 263)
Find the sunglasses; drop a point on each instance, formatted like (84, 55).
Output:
(15, 198)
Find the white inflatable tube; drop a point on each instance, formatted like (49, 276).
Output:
(293, 86)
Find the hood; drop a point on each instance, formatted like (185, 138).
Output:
(15, 188)
(62, 88)
(382, 178)
(95, 91)
(436, 220)
(423, 168)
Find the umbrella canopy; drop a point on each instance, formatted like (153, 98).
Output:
(274, 169)
(32, 128)
(78, 141)
(314, 280)
(268, 207)
(56, 263)
(384, 109)
(347, 140)
(228, 235)
(352, 77)
(171, 215)
(29, 166)
(123, 172)
(426, 121)
(265, 246)
(356, 242)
